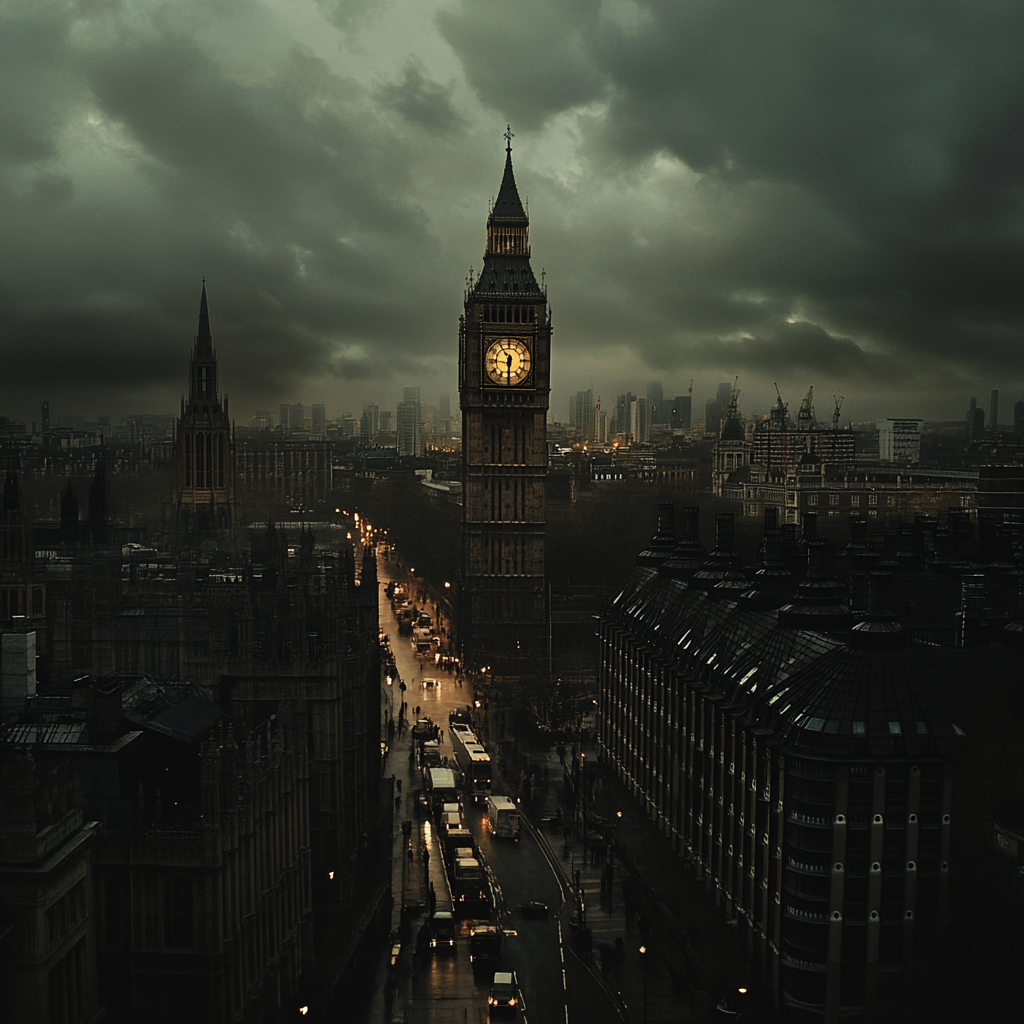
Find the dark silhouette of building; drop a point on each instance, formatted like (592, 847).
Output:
(504, 387)
(242, 868)
(204, 450)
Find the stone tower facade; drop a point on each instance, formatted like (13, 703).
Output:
(204, 450)
(504, 388)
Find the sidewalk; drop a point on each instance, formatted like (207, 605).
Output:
(636, 891)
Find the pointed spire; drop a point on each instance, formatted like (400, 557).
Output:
(508, 205)
(203, 337)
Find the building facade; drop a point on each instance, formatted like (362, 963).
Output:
(504, 389)
(800, 755)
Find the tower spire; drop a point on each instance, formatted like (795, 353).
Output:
(203, 338)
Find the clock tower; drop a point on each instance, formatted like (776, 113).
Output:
(504, 389)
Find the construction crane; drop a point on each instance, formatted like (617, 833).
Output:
(835, 415)
(805, 417)
(690, 389)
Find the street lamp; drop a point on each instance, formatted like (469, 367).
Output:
(643, 968)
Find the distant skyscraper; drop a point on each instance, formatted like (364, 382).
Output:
(369, 422)
(263, 420)
(975, 419)
(45, 415)
(293, 417)
(681, 412)
(655, 401)
(584, 419)
(639, 420)
(410, 423)
(318, 417)
(993, 410)
(444, 407)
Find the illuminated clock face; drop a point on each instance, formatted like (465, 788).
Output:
(507, 361)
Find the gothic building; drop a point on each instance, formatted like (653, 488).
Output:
(204, 448)
(218, 715)
(504, 387)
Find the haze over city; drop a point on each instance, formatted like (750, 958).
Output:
(809, 194)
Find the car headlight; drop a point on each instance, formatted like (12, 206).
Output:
(491, 1001)
(512, 1001)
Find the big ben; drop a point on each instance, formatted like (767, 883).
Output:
(504, 389)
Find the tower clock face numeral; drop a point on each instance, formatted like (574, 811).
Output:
(507, 361)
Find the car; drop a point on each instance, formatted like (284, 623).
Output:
(431, 682)
(442, 932)
(505, 999)
(533, 908)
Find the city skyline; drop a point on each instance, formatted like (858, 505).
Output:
(814, 197)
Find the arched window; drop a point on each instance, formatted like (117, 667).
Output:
(188, 460)
(178, 918)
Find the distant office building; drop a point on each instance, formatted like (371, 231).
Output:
(620, 414)
(386, 424)
(444, 407)
(655, 402)
(639, 420)
(993, 409)
(681, 406)
(263, 420)
(584, 415)
(975, 419)
(318, 420)
(715, 409)
(293, 417)
(369, 422)
(1018, 417)
(899, 440)
(410, 423)
(45, 415)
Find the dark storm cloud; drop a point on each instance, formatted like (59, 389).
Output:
(785, 190)
(869, 157)
(285, 187)
(421, 101)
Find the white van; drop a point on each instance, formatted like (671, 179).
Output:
(503, 817)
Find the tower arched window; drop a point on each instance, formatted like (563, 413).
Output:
(179, 920)
(188, 460)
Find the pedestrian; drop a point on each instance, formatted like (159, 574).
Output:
(409, 853)
(398, 803)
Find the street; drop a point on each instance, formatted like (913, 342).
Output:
(556, 986)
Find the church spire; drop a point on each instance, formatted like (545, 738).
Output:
(203, 338)
(203, 378)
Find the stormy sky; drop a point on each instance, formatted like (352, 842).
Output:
(810, 193)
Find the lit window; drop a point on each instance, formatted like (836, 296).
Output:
(812, 499)
(833, 499)
(872, 499)
(854, 500)
(894, 729)
(858, 729)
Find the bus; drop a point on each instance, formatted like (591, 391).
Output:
(474, 762)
